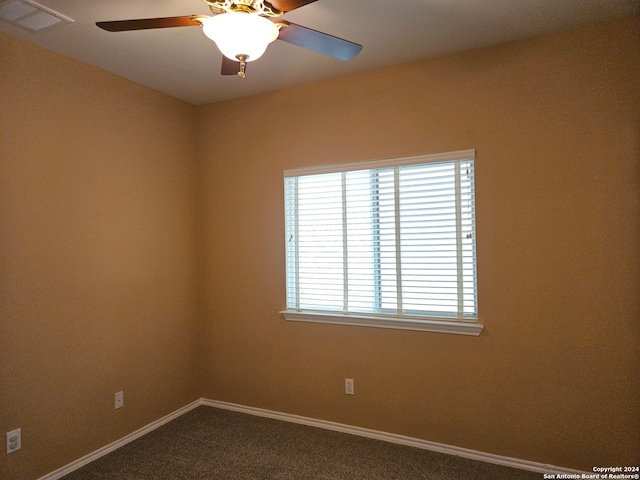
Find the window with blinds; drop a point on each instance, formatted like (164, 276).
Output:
(389, 243)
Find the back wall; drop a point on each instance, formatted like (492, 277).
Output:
(554, 377)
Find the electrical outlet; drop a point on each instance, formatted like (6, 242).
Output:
(14, 441)
(348, 386)
(119, 400)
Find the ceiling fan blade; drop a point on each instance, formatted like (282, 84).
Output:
(230, 67)
(288, 5)
(317, 41)
(149, 23)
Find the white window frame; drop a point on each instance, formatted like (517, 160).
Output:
(456, 324)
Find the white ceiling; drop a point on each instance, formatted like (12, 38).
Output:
(185, 64)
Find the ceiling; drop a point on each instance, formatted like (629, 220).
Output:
(185, 64)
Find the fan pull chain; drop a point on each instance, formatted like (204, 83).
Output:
(243, 65)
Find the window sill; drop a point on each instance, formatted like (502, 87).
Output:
(398, 323)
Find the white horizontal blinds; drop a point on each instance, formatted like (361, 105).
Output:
(370, 241)
(320, 249)
(431, 233)
(359, 242)
(291, 234)
(394, 240)
(387, 227)
(468, 220)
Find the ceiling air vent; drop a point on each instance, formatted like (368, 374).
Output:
(30, 15)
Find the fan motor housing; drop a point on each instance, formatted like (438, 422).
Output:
(259, 7)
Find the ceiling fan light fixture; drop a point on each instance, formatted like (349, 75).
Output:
(240, 35)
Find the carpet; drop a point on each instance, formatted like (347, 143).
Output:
(211, 443)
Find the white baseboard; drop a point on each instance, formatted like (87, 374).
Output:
(338, 427)
(101, 452)
(398, 439)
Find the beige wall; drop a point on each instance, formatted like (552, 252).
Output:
(97, 257)
(98, 264)
(554, 377)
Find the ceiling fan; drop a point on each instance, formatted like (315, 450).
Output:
(242, 30)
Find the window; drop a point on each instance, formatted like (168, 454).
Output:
(388, 243)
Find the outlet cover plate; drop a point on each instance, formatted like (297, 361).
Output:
(119, 400)
(14, 440)
(348, 386)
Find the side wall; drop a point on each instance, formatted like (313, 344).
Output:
(555, 376)
(98, 225)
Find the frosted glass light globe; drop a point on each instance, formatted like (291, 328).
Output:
(240, 34)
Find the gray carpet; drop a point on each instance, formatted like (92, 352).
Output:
(209, 443)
